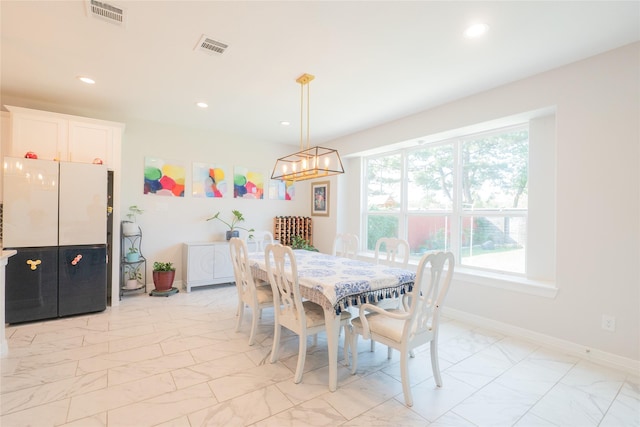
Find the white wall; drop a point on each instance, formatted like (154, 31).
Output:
(597, 188)
(169, 221)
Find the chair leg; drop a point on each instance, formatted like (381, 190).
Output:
(239, 314)
(373, 345)
(354, 352)
(254, 327)
(404, 373)
(275, 348)
(435, 366)
(389, 352)
(302, 354)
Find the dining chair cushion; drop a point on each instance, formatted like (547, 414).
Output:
(381, 325)
(264, 294)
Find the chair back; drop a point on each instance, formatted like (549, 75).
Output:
(242, 269)
(258, 240)
(346, 245)
(426, 299)
(282, 271)
(395, 252)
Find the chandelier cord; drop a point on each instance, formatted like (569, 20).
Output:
(308, 115)
(302, 122)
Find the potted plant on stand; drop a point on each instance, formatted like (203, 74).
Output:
(129, 228)
(133, 255)
(163, 275)
(133, 277)
(233, 224)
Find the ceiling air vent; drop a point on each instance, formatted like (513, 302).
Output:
(106, 11)
(211, 46)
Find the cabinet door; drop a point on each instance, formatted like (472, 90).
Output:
(82, 279)
(44, 135)
(83, 204)
(30, 211)
(32, 285)
(200, 264)
(89, 141)
(223, 268)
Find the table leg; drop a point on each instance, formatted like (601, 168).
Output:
(332, 325)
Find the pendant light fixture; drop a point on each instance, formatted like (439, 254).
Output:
(309, 162)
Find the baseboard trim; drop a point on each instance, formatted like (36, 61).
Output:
(597, 356)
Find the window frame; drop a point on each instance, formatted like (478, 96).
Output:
(456, 213)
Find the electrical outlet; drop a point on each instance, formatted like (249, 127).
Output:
(608, 323)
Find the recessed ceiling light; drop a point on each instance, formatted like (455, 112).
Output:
(285, 123)
(476, 30)
(86, 80)
(202, 104)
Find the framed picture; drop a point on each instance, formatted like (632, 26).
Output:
(320, 198)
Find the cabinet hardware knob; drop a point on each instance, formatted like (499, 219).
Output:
(34, 264)
(76, 259)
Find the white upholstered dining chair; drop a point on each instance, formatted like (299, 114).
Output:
(415, 323)
(301, 317)
(256, 297)
(392, 251)
(346, 245)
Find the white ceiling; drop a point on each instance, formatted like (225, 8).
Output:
(374, 61)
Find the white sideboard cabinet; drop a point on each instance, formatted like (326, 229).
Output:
(54, 136)
(206, 263)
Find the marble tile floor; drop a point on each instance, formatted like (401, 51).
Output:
(176, 361)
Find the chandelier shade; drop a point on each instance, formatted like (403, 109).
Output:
(314, 162)
(309, 162)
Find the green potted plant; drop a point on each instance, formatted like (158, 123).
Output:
(233, 224)
(133, 277)
(163, 275)
(298, 242)
(130, 227)
(133, 255)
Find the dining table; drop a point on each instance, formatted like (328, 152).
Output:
(337, 283)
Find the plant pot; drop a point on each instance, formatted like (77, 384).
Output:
(130, 228)
(132, 284)
(234, 233)
(133, 257)
(163, 280)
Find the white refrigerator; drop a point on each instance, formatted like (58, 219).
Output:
(55, 216)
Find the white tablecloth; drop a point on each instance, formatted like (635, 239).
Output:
(337, 283)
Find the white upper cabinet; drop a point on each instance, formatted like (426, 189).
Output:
(88, 141)
(54, 136)
(45, 135)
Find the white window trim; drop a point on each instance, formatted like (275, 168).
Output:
(505, 281)
(492, 279)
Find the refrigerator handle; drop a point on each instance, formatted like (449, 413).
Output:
(34, 264)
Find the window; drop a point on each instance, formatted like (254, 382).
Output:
(468, 195)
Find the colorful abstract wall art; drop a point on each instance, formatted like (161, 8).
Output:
(247, 184)
(162, 178)
(208, 181)
(281, 190)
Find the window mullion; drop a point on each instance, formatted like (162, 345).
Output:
(456, 217)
